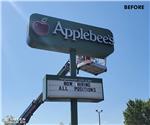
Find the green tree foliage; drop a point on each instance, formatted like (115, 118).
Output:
(137, 112)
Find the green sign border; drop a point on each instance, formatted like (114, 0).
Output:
(53, 42)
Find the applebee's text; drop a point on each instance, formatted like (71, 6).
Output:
(81, 34)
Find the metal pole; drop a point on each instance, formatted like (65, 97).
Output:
(99, 118)
(74, 112)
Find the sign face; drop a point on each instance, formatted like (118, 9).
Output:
(57, 88)
(60, 35)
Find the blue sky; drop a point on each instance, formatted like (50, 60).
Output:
(23, 68)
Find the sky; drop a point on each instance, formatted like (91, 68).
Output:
(23, 68)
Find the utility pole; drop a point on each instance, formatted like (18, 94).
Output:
(99, 115)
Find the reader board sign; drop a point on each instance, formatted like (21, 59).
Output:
(60, 35)
(57, 88)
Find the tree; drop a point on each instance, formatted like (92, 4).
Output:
(137, 112)
(9, 120)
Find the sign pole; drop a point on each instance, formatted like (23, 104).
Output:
(74, 110)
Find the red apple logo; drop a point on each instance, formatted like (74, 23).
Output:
(41, 27)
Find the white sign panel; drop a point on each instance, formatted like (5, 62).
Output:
(66, 88)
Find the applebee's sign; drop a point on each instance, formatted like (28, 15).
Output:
(59, 35)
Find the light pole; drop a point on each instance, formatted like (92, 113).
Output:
(99, 115)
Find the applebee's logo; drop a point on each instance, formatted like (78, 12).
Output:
(41, 27)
